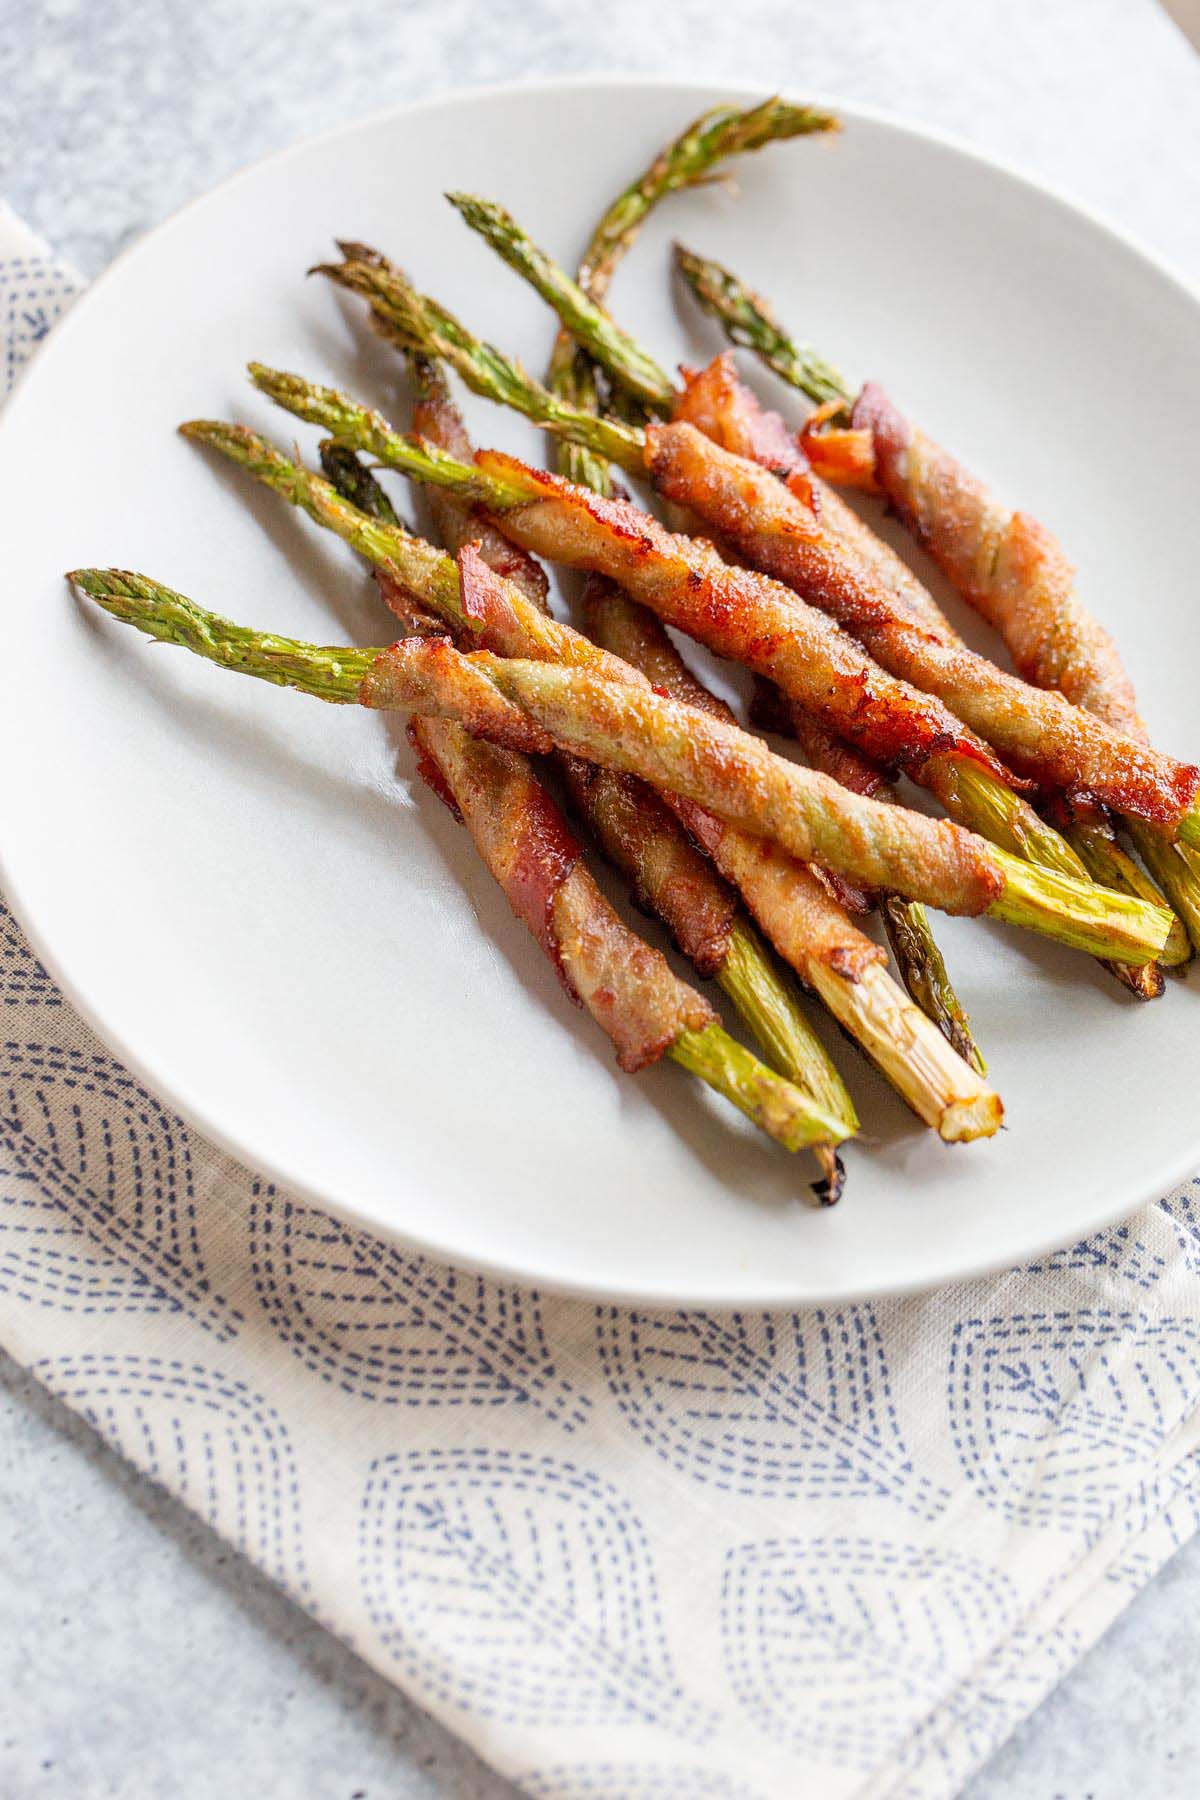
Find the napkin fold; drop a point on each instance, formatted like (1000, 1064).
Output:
(637, 1555)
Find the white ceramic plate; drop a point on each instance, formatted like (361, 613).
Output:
(254, 901)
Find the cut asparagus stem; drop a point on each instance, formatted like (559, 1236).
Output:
(773, 1012)
(748, 320)
(631, 727)
(937, 1084)
(795, 1120)
(745, 970)
(968, 791)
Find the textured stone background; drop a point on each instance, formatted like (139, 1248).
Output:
(137, 1654)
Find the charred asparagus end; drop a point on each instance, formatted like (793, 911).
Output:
(774, 1105)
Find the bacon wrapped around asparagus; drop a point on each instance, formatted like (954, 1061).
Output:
(977, 795)
(627, 986)
(1050, 635)
(1051, 742)
(633, 824)
(789, 901)
(534, 706)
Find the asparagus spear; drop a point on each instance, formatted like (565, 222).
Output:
(749, 321)
(633, 826)
(534, 705)
(628, 987)
(791, 903)
(970, 790)
(691, 159)
(582, 317)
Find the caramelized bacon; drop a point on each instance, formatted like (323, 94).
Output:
(683, 752)
(1010, 568)
(442, 682)
(1040, 733)
(527, 845)
(627, 986)
(739, 613)
(667, 875)
(799, 908)
(725, 410)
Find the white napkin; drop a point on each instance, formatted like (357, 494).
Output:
(630, 1555)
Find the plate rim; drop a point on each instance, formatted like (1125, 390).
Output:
(629, 1292)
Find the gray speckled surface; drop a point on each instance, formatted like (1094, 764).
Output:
(138, 1655)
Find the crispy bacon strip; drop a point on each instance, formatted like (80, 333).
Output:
(725, 410)
(721, 768)
(437, 419)
(1040, 732)
(667, 875)
(792, 903)
(1010, 568)
(741, 614)
(627, 986)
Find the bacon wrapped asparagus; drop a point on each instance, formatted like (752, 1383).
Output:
(1051, 630)
(810, 930)
(536, 706)
(1044, 737)
(798, 914)
(627, 986)
(737, 612)
(632, 824)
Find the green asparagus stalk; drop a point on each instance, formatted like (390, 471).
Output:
(586, 322)
(748, 320)
(769, 1006)
(970, 793)
(335, 675)
(548, 693)
(413, 321)
(1176, 870)
(690, 160)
